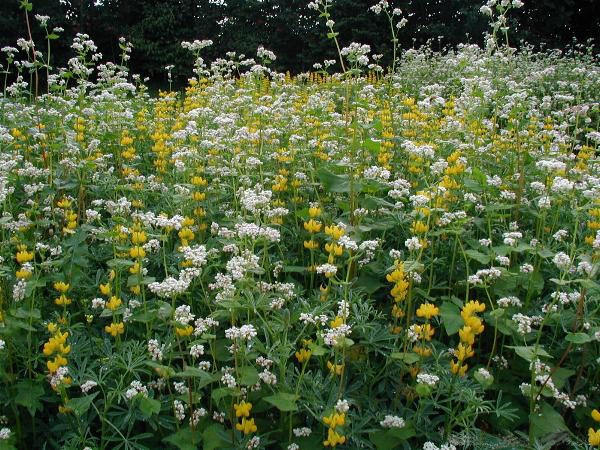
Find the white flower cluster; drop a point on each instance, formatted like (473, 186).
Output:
(245, 332)
(136, 388)
(562, 261)
(302, 432)
(428, 379)
(505, 302)
(431, 446)
(485, 275)
(88, 386)
(392, 422)
(376, 173)
(255, 200)
(255, 232)
(196, 254)
(524, 322)
(312, 319)
(334, 336)
(327, 269)
(238, 266)
(155, 350)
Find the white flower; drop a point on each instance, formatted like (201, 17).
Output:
(392, 422)
(428, 379)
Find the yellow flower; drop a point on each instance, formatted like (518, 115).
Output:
(138, 237)
(115, 328)
(335, 368)
(62, 300)
(23, 274)
(24, 256)
(427, 310)
(105, 289)
(242, 409)
(419, 227)
(313, 226)
(334, 249)
(337, 322)
(113, 303)
(137, 252)
(458, 369)
(466, 335)
(594, 437)
(186, 234)
(247, 426)
(333, 438)
(311, 245)
(334, 232)
(303, 355)
(314, 212)
(334, 420)
(185, 331)
(61, 286)
(64, 203)
(596, 415)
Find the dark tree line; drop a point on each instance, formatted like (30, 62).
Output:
(287, 27)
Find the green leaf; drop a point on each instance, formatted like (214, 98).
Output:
(317, 350)
(215, 437)
(478, 256)
(28, 395)
(529, 353)
(185, 439)
(148, 406)
(248, 376)
(408, 358)
(546, 422)
(81, 405)
(578, 338)
(334, 183)
(451, 317)
(392, 438)
(53, 36)
(283, 401)
(202, 377)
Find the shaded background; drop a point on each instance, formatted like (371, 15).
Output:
(157, 27)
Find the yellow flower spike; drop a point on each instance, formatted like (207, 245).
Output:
(52, 327)
(242, 409)
(138, 237)
(24, 256)
(63, 300)
(596, 415)
(334, 232)
(61, 286)
(135, 289)
(105, 289)
(23, 274)
(186, 234)
(247, 426)
(335, 368)
(313, 226)
(111, 275)
(115, 328)
(427, 311)
(337, 322)
(185, 331)
(333, 439)
(314, 212)
(137, 252)
(114, 303)
(594, 437)
(311, 245)
(419, 227)
(334, 249)
(64, 203)
(303, 355)
(466, 335)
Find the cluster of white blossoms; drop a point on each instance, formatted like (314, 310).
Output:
(428, 379)
(254, 231)
(245, 332)
(392, 422)
(155, 350)
(136, 388)
(335, 336)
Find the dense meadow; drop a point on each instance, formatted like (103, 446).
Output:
(345, 260)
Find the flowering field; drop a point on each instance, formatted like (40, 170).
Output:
(261, 261)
